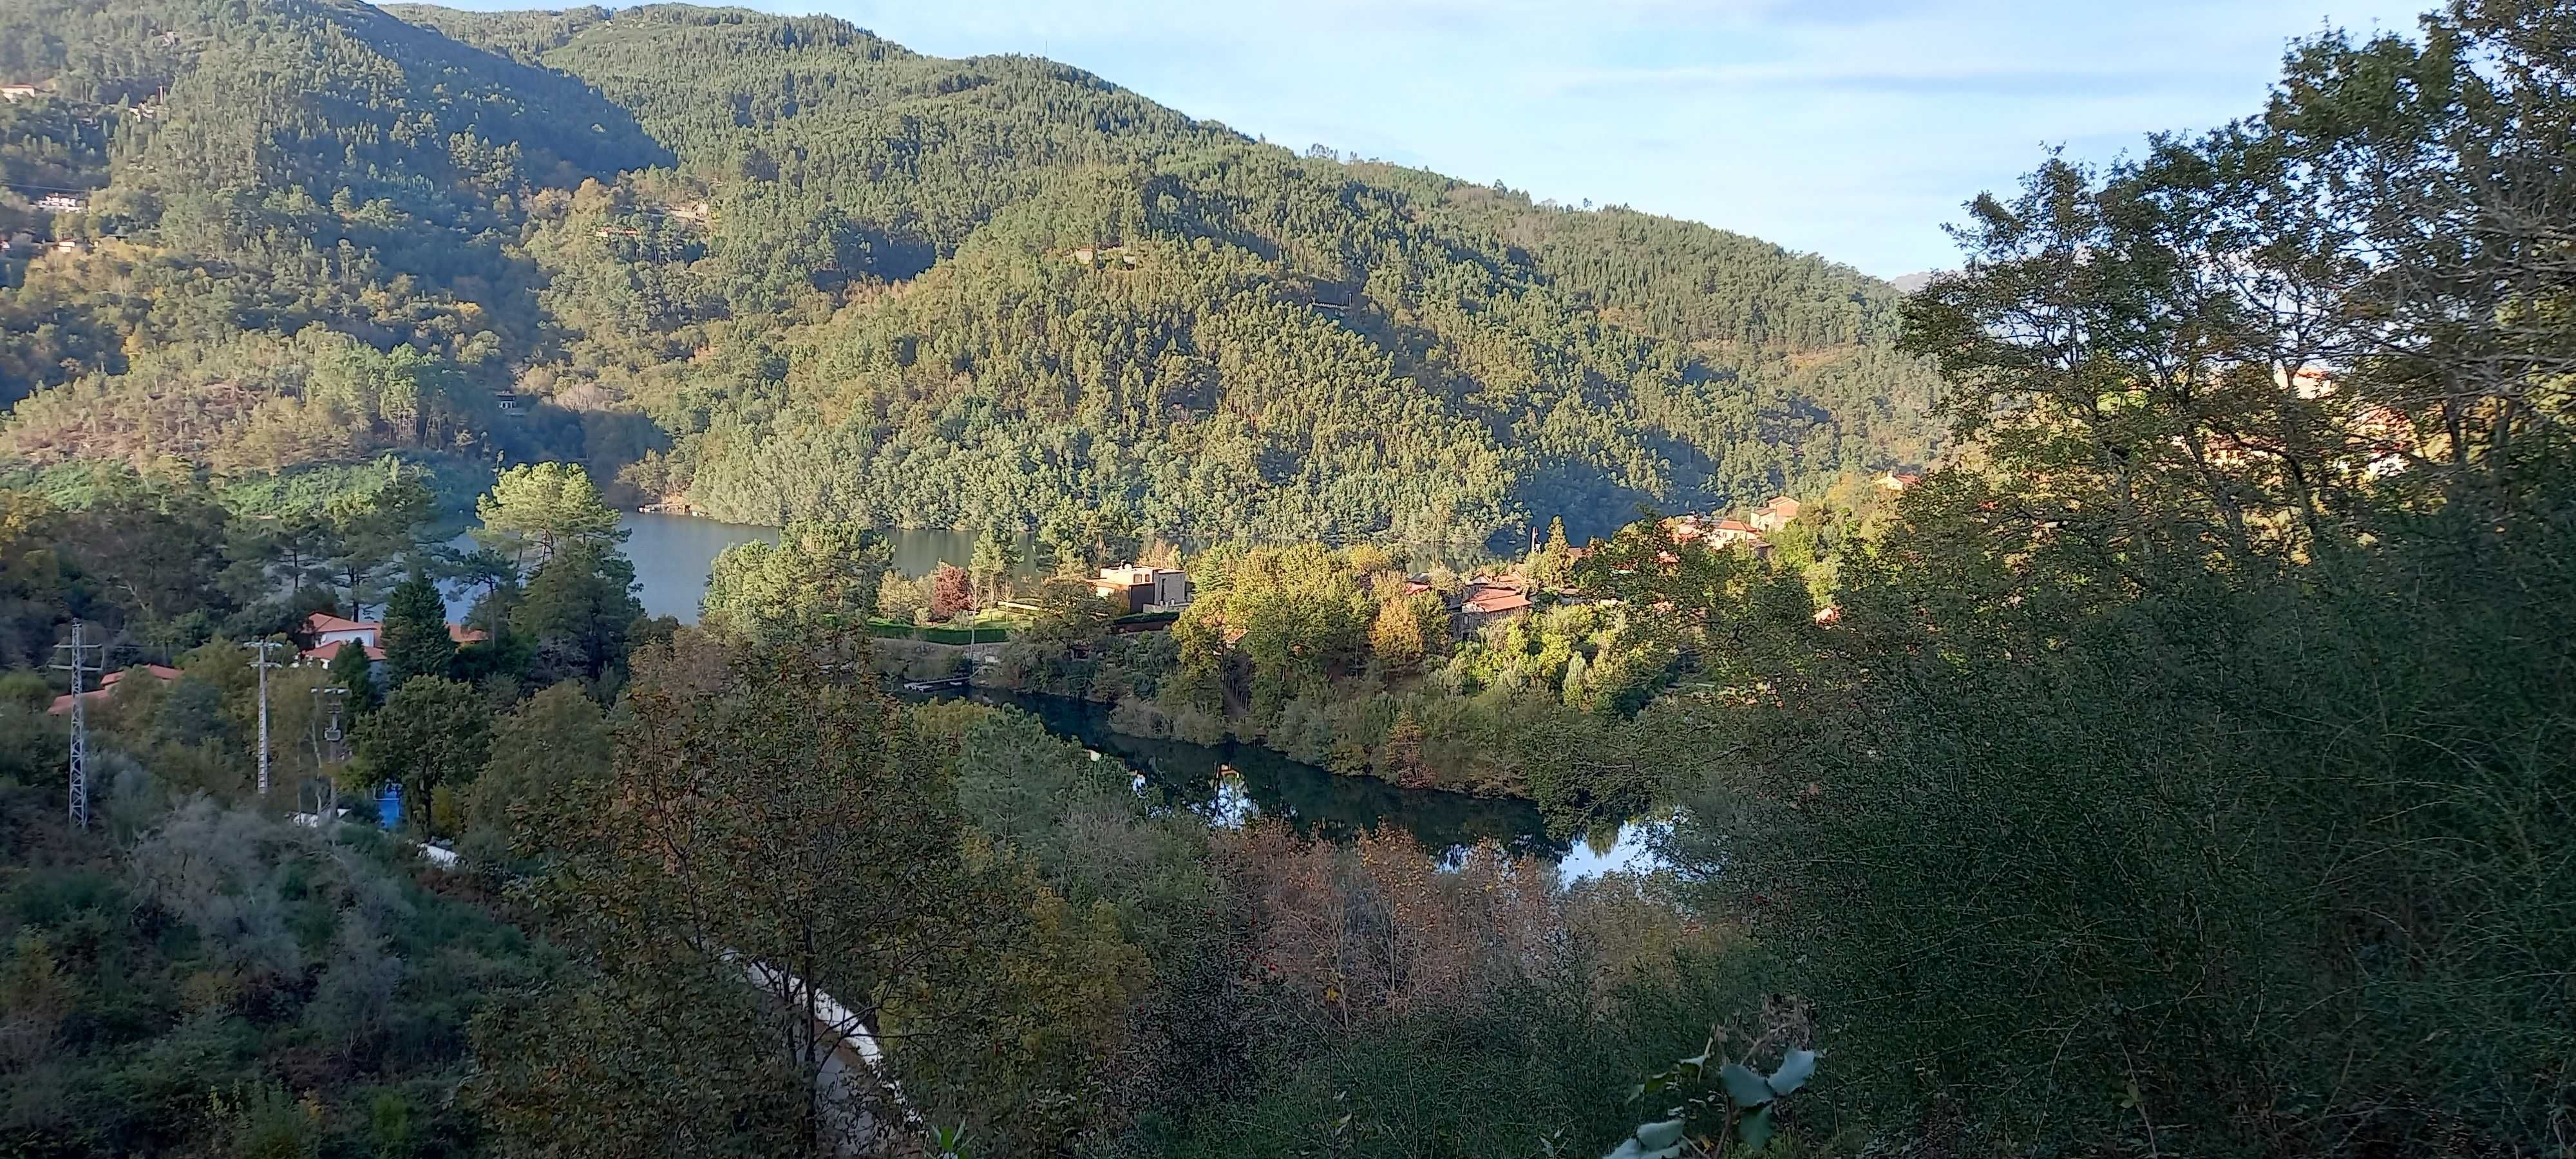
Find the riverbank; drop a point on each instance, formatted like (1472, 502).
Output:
(1488, 737)
(1578, 769)
(1230, 784)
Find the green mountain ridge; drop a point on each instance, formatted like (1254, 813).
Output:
(778, 266)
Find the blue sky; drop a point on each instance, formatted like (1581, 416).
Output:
(1849, 128)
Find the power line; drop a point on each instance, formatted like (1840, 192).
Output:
(80, 719)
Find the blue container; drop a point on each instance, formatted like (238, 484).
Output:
(389, 806)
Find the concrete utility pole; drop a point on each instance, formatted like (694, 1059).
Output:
(261, 662)
(330, 748)
(80, 720)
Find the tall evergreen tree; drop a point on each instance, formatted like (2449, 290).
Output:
(996, 556)
(353, 670)
(818, 571)
(415, 637)
(580, 609)
(548, 507)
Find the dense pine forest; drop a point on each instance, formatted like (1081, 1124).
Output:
(2183, 764)
(779, 268)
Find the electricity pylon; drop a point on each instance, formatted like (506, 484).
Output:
(261, 662)
(80, 719)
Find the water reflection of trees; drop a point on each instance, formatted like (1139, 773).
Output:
(1230, 783)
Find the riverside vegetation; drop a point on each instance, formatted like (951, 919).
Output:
(2184, 768)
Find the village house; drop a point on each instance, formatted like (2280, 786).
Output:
(1487, 601)
(1728, 532)
(1484, 600)
(63, 704)
(329, 632)
(1144, 589)
(14, 93)
(1718, 532)
(1776, 514)
(1897, 481)
(63, 203)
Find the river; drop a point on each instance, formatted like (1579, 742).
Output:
(1231, 783)
(1226, 783)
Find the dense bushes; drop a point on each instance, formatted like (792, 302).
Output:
(239, 985)
(2193, 776)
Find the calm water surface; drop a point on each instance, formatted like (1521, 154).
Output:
(1227, 784)
(1231, 783)
(672, 554)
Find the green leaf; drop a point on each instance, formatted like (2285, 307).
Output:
(1744, 1086)
(1794, 1071)
(1654, 1136)
(1755, 1129)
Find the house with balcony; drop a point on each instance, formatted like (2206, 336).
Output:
(1144, 589)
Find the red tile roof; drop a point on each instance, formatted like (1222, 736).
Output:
(1487, 601)
(63, 704)
(164, 672)
(320, 623)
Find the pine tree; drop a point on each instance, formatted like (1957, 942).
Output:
(351, 669)
(415, 636)
(996, 556)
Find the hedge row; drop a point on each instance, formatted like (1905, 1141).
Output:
(936, 633)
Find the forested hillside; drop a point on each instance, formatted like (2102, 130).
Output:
(2181, 769)
(779, 267)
